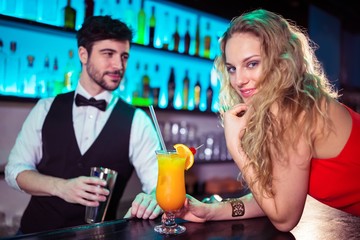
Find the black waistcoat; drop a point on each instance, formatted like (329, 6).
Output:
(62, 158)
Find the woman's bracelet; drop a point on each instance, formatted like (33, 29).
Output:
(237, 206)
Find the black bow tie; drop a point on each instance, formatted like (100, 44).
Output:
(82, 101)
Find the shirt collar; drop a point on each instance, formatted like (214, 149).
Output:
(106, 95)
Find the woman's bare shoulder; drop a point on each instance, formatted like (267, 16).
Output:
(333, 140)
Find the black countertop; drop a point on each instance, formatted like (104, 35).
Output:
(318, 222)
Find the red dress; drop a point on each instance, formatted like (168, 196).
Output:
(336, 181)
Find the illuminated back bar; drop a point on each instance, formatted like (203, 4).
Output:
(42, 36)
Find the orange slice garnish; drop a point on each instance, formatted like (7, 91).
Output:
(185, 151)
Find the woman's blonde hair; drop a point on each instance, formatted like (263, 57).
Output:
(292, 79)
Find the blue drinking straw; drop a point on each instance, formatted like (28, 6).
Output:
(153, 115)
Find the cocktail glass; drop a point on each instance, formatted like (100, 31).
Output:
(170, 190)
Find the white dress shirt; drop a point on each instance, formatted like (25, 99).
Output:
(88, 121)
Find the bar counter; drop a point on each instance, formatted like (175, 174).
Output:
(318, 222)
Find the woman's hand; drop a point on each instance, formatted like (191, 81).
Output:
(193, 210)
(235, 123)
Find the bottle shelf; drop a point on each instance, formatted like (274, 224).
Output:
(34, 25)
(181, 21)
(16, 99)
(64, 39)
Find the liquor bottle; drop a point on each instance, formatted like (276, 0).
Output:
(209, 97)
(119, 9)
(145, 80)
(43, 78)
(155, 96)
(28, 84)
(127, 84)
(197, 38)
(171, 88)
(163, 91)
(69, 16)
(187, 38)
(56, 85)
(141, 24)
(12, 70)
(122, 89)
(2, 67)
(130, 15)
(70, 74)
(10, 8)
(165, 32)
(30, 10)
(186, 83)
(155, 86)
(103, 8)
(152, 25)
(89, 8)
(197, 93)
(207, 41)
(137, 87)
(176, 35)
(49, 12)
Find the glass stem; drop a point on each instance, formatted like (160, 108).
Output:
(170, 220)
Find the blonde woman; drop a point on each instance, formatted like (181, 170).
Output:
(284, 127)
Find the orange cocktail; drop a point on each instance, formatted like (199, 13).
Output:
(170, 190)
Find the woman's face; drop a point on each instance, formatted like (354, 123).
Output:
(243, 63)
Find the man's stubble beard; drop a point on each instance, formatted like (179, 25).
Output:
(98, 78)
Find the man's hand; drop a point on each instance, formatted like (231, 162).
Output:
(144, 206)
(87, 191)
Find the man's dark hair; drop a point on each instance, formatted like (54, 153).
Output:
(97, 28)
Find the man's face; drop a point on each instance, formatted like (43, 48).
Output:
(105, 67)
